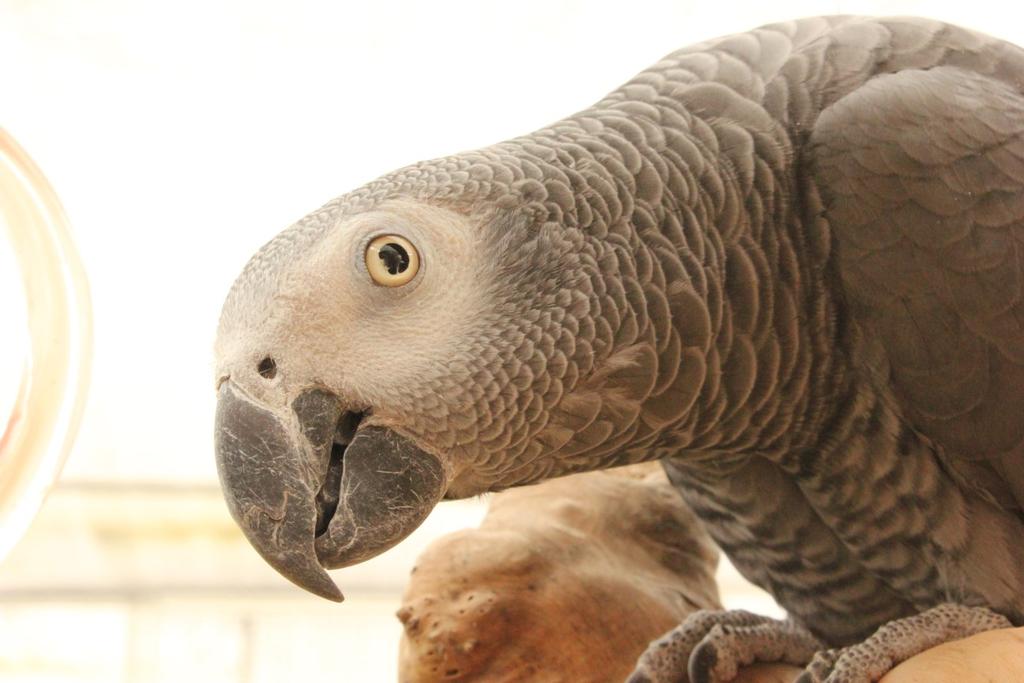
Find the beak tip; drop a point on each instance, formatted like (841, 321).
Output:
(329, 591)
(326, 589)
(308, 574)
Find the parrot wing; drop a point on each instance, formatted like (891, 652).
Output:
(922, 177)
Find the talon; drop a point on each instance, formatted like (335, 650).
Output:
(702, 662)
(638, 677)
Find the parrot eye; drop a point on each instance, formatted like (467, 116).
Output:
(392, 260)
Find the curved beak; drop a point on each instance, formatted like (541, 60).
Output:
(313, 489)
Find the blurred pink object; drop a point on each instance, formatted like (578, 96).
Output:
(57, 328)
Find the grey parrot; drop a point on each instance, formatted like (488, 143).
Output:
(785, 263)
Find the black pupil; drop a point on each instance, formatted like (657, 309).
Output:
(395, 258)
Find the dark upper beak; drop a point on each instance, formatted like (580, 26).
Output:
(277, 471)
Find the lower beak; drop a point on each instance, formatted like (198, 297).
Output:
(277, 469)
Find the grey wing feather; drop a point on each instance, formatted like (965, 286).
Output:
(923, 176)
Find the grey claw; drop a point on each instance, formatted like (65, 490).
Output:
(702, 662)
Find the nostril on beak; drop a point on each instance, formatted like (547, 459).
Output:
(267, 368)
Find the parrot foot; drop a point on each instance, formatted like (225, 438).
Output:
(711, 646)
(900, 640)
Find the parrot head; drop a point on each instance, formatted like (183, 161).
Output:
(371, 362)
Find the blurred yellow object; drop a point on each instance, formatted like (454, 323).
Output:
(989, 656)
(47, 408)
(982, 658)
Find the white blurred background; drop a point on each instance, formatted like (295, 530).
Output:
(180, 137)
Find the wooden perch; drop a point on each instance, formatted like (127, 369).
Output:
(570, 580)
